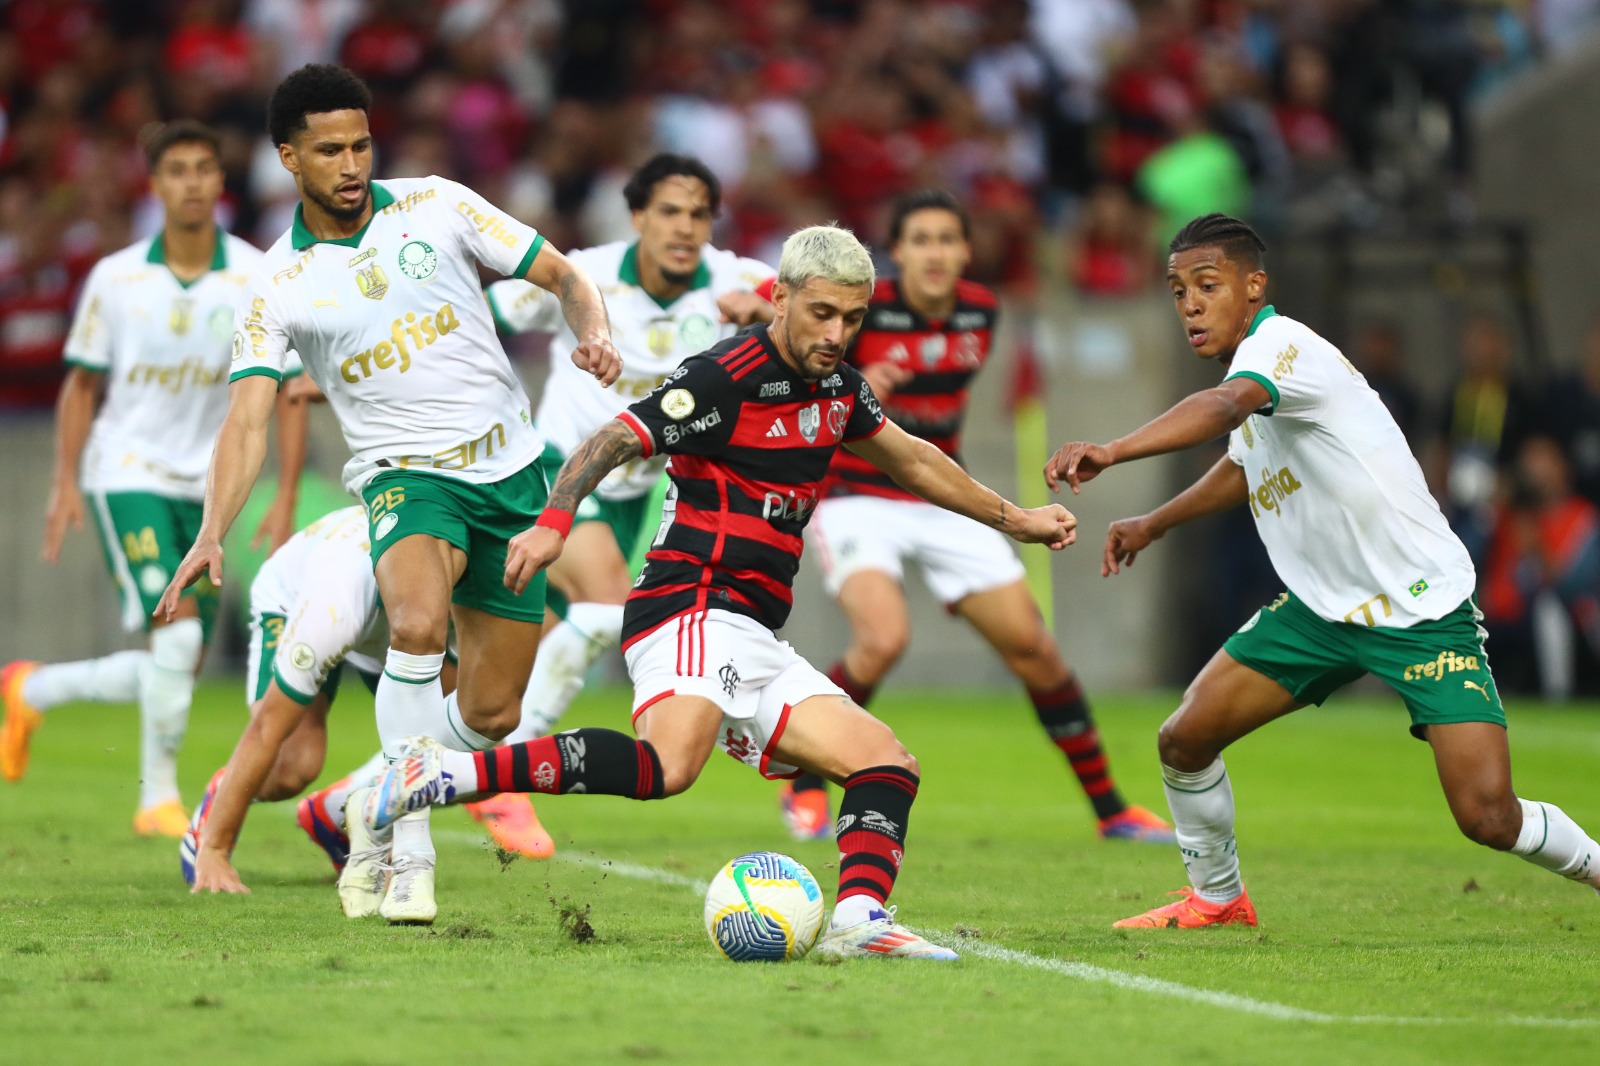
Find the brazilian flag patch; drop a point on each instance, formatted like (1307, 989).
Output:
(1419, 588)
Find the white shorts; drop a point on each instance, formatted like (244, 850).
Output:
(736, 663)
(956, 555)
(304, 622)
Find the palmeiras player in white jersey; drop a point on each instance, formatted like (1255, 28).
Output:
(150, 347)
(707, 669)
(376, 287)
(1377, 582)
(669, 295)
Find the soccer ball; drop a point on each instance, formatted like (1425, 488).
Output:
(763, 907)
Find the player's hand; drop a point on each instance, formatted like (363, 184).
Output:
(277, 525)
(65, 509)
(886, 377)
(1076, 463)
(1053, 526)
(743, 308)
(530, 552)
(1124, 541)
(214, 873)
(600, 358)
(204, 558)
(301, 389)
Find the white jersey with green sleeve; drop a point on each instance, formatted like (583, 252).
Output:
(163, 346)
(652, 338)
(392, 325)
(1338, 498)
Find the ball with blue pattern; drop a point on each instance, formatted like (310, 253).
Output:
(763, 907)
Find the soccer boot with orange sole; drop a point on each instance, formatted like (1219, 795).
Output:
(512, 823)
(1192, 912)
(806, 812)
(1137, 824)
(21, 719)
(317, 822)
(163, 820)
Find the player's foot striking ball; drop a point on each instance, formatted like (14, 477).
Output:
(1377, 581)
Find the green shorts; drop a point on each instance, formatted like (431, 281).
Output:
(478, 519)
(627, 519)
(1439, 668)
(145, 536)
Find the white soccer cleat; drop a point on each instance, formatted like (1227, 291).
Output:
(879, 937)
(365, 877)
(409, 900)
(412, 782)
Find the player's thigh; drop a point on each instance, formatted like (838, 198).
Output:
(592, 568)
(417, 527)
(1474, 764)
(829, 735)
(874, 603)
(1010, 621)
(683, 730)
(1226, 700)
(495, 657)
(1440, 668)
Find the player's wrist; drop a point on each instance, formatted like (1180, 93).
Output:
(555, 518)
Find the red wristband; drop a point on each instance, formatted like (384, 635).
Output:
(556, 519)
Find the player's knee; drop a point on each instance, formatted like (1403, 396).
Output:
(677, 775)
(418, 630)
(1494, 825)
(1181, 749)
(879, 648)
(1038, 664)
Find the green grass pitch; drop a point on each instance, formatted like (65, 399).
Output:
(1385, 936)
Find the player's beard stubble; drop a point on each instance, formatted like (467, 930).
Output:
(333, 207)
(810, 360)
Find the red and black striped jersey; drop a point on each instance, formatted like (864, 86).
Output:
(943, 355)
(750, 441)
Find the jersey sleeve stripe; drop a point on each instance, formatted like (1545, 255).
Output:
(527, 260)
(252, 371)
(74, 363)
(640, 430)
(1263, 381)
(870, 433)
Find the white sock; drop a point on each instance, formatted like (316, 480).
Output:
(1202, 814)
(853, 910)
(565, 656)
(109, 679)
(411, 837)
(1552, 840)
(166, 688)
(460, 736)
(409, 701)
(338, 793)
(462, 769)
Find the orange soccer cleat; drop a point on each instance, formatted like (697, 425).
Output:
(21, 719)
(1192, 912)
(163, 820)
(806, 812)
(1136, 823)
(513, 825)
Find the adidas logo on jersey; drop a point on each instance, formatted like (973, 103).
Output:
(777, 429)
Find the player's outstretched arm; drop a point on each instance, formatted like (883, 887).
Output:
(274, 719)
(75, 408)
(919, 467)
(1194, 420)
(1221, 487)
(534, 549)
(277, 525)
(583, 308)
(235, 461)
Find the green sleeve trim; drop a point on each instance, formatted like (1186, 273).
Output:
(1262, 380)
(411, 680)
(289, 690)
(527, 260)
(294, 373)
(81, 364)
(252, 371)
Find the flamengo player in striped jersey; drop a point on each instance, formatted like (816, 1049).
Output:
(707, 669)
(669, 295)
(151, 339)
(376, 286)
(1377, 581)
(927, 333)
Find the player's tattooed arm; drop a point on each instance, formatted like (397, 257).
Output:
(584, 309)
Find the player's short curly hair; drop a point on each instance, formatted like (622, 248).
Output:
(642, 185)
(829, 252)
(313, 89)
(179, 131)
(1236, 239)
(925, 200)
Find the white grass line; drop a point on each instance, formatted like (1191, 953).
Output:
(1079, 971)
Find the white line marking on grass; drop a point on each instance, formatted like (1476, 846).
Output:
(1079, 971)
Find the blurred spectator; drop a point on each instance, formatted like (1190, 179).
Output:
(1081, 39)
(1380, 356)
(1541, 587)
(292, 33)
(1194, 175)
(1572, 416)
(1112, 254)
(1304, 118)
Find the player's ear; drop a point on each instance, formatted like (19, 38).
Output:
(286, 156)
(1255, 285)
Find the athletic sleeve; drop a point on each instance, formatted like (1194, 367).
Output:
(522, 307)
(1234, 454)
(490, 235)
(691, 413)
(89, 343)
(866, 416)
(260, 339)
(1287, 370)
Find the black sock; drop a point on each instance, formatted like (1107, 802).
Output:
(1064, 713)
(600, 762)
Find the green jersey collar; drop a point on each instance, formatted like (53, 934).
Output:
(1261, 316)
(219, 255)
(628, 274)
(300, 238)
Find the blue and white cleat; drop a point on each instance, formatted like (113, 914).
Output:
(414, 781)
(879, 937)
(189, 843)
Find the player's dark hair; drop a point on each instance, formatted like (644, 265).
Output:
(925, 200)
(642, 185)
(1236, 239)
(180, 131)
(312, 90)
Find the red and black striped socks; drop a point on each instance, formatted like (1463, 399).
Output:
(872, 830)
(1064, 713)
(600, 762)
